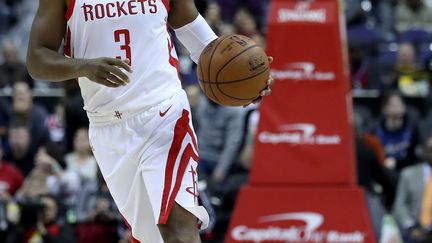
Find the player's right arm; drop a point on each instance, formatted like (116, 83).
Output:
(44, 62)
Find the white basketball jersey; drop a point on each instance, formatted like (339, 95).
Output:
(134, 29)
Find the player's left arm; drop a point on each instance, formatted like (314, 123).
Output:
(190, 27)
(194, 33)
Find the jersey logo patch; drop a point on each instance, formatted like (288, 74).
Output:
(162, 114)
(118, 114)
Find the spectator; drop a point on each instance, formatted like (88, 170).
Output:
(81, 160)
(12, 69)
(19, 153)
(370, 173)
(239, 177)
(365, 71)
(90, 193)
(413, 79)
(59, 183)
(35, 184)
(246, 154)
(413, 204)
(226, 28)
(411, 14)
(255, 7)
(75, 116)
(51, 229)
(40, 223)
(24, 111)
(220, 135)
(11, 178)
(213, 15)
(56, 124)
(97, 214)
(399, 136)
(224, 195)
(370, 156)
(245, 23)
(397, 132)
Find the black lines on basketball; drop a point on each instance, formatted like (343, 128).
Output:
(237, 98)
(230, 60)
(209, 67)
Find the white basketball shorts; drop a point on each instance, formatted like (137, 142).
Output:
(149, 160)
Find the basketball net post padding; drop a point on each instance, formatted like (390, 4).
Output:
(302, 185)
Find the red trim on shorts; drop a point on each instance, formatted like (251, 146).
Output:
(180, 131)
(167, 5)
(70, 9)
(172, 60)
(132, 239)
(192, 134)
(179, 134)
(67, 49)
(184, 162)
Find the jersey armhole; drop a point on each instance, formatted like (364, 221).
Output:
(70, 9)
(166, 3)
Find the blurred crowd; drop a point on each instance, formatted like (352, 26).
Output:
(51, 189)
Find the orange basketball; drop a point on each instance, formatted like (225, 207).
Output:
(233, 70)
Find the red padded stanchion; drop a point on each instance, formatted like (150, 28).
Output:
(302, 182)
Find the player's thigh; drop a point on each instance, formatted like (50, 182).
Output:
(180, 227)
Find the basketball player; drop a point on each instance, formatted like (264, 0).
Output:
(140, 123)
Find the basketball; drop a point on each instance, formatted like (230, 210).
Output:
(233, 70)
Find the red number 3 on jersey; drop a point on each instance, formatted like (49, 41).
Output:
(126, 43)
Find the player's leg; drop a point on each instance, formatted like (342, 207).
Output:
(118, 159)
(178, 214)
(180, 227)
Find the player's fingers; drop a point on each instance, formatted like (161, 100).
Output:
(119, 73)
(270, 59)
(270, 82)
(114, 79)
(120, 63)
(266, 92)
(106, 82)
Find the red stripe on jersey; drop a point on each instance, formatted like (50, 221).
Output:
(132, 239)
(192, 134)
(70, 9)
(180, 132)
(172, 60)
(167, 5)
(67, 48)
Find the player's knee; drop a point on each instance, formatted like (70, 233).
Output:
(180, 227)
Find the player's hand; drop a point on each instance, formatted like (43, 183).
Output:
(108, 71)
(267, 91)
